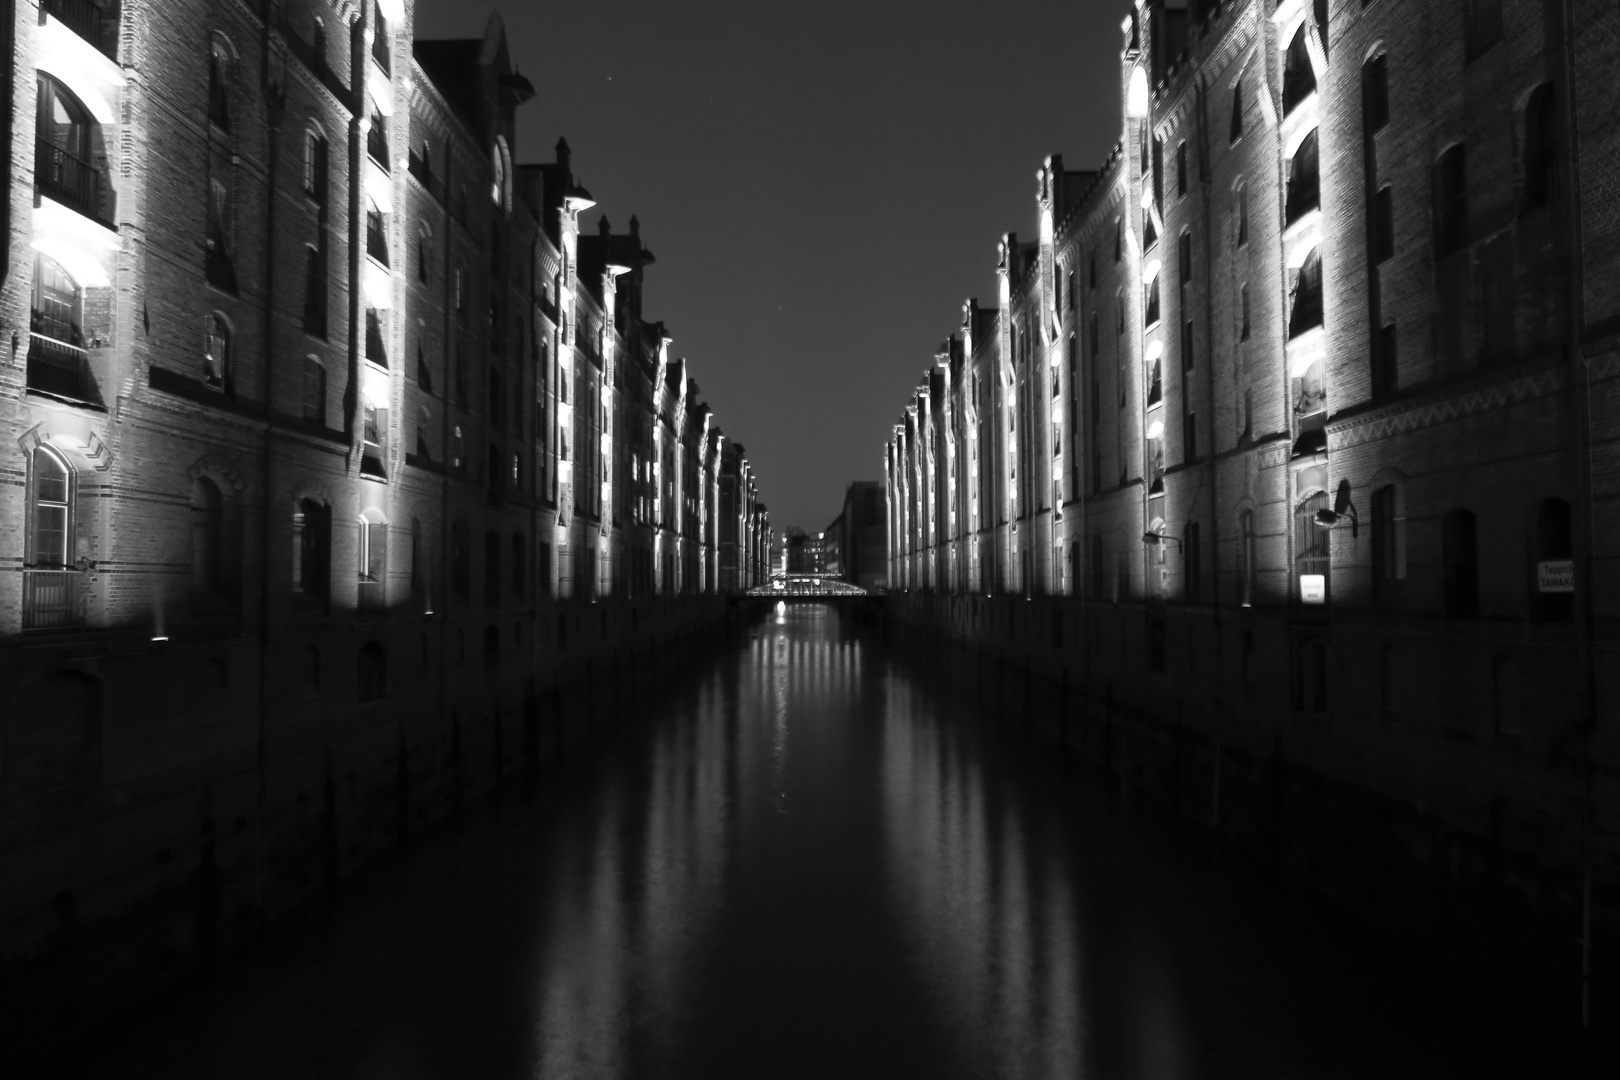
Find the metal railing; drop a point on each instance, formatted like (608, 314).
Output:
(91, 21)
(67, 179)
(55, 367)
(50, 599)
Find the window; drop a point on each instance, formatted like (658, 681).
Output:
(219, 81)
(1306, 313)
(315, 166)
(424, 374)
(1193, 555)
(376, 233)
(1158, 175)
(1459, 565)
(57, 305)
(377, 137)
(520, 566)
(216, 352)
(312, 549)
(317, 44)
(1236, 128)
(1554, 547)
(1246, 565)
(1383, 224)
(381, 39)
(424, 245)
(1184, 260)
(1388, 539)
(492, 568)
(315, 292)
(371, 672)
(376, 336)
(1386, 366)
(217, 246)
(1304, 180)
(1243, 312)
(1484, 26)
(372, 563)
(373, 423)
(1150, 230)
(1299, 80)
(49, 510)
(1374, 95)
(1240, 200)
(1540, 148)
(1312, 550)
(314, 391)
(1450, 201)
(1119, 240)
(460, 561)
(1310, 676)
(1155, 373)
(1150, 315)
(1189, 438)
(1181, 168)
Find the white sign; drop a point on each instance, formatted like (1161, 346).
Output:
(1555, 576)
(1313, 588)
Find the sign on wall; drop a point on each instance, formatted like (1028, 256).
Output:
(1555, 576)
(1313, 588)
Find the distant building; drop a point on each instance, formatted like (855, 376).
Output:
(857, 541)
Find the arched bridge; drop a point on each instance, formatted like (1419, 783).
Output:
(806, 587)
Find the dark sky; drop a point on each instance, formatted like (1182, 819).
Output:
(823, 185)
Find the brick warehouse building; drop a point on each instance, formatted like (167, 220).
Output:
(336, 449)
(1287, 446)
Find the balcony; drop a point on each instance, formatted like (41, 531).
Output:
(94, 23)
(50, 599)
(74, 183)
(61, 370)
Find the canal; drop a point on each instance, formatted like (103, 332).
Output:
(810, 862)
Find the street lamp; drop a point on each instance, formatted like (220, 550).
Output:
(1342, 505)
(1161, 538)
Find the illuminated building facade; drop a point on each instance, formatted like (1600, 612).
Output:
(1290, 425)
(326, 427)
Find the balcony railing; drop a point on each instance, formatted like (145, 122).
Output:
(50, 599)
(96, 24)
(68, 180)
(60, 369)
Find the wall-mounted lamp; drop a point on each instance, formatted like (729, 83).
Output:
(1162, 538)
(1342, 506)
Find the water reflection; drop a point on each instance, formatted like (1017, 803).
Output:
(807, 865)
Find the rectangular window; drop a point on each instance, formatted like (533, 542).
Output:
(314, 391)
(1243, 313)
(315, 292)
(1383, 225)
(1386, 370)
(1189, 431)
(1388, 539)
(1181, 169)
(1187, 346)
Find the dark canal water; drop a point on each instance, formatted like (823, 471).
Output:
(811, 865)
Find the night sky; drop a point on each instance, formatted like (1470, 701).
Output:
(823, 185)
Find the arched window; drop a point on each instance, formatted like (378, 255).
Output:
(207, 538)
(371, 672)
(1240, 214)
(1312, 550)
(372, 561)
(315, 290)
(1299, 79)
(49, 510)
(1155, 373)
(315, 166)
(219, 84)
(216, 365)
(1552, 575)
(376, 335)
(1450, 201)
(1235, 128)
(492, 568)
(315, 391)
(1540, 148)
(317, 44)
(1306, 312)
(1374, 95)
(1459, 565)
(312, 549)
(460, 561)
(1119, 240)
(218, 233)
(1304, 180)
(1388, 538)
(66, 148)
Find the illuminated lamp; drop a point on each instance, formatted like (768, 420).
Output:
(392, 10)
(378, 285)
(1151, 271)
(1153, 539)
(378, 186)
(380, 90)
(374, 385)
(1155, 430)
(83, 247)
(578, 199)
(1155, 350)
(1342, 506)
(1136, 94)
